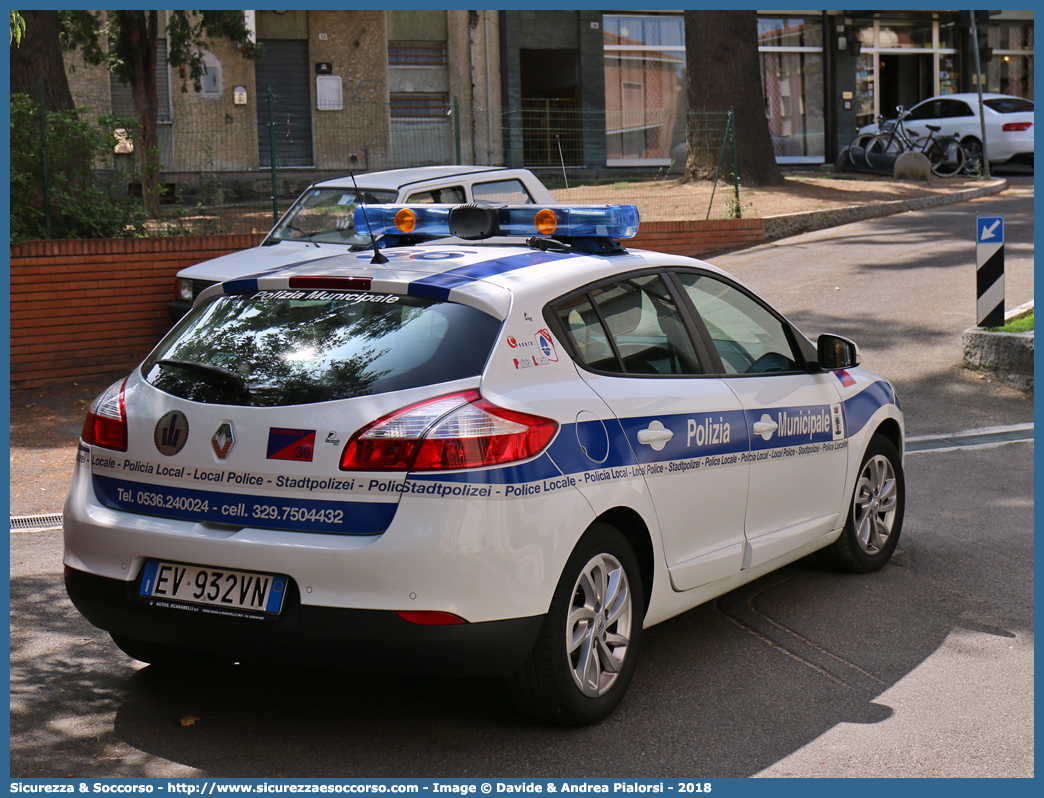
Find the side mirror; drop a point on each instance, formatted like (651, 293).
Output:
(834, 352)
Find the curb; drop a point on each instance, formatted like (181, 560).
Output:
(1006, 356)
(790, 224)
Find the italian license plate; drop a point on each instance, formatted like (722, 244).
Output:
(219, 590)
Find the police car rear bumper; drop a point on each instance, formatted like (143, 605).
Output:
(369, 640)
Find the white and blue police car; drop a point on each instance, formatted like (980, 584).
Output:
(500, 443)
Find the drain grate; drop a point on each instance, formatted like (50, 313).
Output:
(35, 523)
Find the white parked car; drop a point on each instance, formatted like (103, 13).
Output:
(321, 223)
(466, 457)
(1009, 125)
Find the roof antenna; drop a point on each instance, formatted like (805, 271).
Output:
(377, 256)
(562, 161)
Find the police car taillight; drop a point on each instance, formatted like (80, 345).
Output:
(460, 430)
(106, 422)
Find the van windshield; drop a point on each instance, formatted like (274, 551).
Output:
(327, 216)
(277, 348)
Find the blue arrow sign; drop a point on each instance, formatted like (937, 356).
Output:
(989, 230)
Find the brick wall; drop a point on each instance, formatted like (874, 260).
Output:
(695, 239)
(97, 306)
(88, 307)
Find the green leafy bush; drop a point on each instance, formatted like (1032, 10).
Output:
(87, 192)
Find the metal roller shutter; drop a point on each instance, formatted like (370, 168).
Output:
(285, 70)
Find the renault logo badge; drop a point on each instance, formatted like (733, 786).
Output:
(223, 440)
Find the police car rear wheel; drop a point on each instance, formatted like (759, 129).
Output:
(584, 658)
(875, 518)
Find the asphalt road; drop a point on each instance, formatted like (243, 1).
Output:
(903, 288)
(924, 669)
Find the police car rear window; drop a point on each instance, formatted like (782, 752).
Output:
(277, 348)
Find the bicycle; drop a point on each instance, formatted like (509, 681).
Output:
(945, 155)
(891, 140)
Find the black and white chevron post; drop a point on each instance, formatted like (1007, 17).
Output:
(989, 274)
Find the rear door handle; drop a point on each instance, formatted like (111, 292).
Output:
(655, 436)
(761, 427)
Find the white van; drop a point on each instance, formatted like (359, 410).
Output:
(320, 223)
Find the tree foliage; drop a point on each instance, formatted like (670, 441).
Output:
(188, 33)
(83, 205)
(126, 42)
(17, 28)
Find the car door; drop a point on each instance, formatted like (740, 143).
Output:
(634, 346)
(794, 420)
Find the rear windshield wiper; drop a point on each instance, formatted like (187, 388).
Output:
(210, 373)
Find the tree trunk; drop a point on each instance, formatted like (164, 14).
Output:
(40, 56)
(724, 71)
(141, 32)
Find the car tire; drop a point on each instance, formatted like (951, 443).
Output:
(166, 656)
(973, 155)
(875, 515)
(587, 649)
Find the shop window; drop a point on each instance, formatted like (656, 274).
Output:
(789, 32)
(644, 88)
(793, 87)
(1011, 70)
(905, 35)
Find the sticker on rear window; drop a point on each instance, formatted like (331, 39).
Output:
(291, 444)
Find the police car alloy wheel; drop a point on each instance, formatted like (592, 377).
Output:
(494, 443)
(586, 654)
(876, 515)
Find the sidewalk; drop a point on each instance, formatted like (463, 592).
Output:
(46, 422)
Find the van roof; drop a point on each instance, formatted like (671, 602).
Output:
(397, 178)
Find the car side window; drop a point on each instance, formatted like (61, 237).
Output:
(645, 335)
(510, 192)
(748, 338)
(448, 195)
(925, 111)
(949, 109)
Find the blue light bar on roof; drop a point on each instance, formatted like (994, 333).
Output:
(481, 221)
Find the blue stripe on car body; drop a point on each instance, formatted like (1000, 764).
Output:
(302, 515)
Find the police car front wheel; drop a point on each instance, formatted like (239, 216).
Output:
(875, 517)
(586, 652)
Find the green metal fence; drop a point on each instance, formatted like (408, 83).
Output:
(228, 167)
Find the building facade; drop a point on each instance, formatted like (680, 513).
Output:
(336, 90)
(824, 73)
(588, 92)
